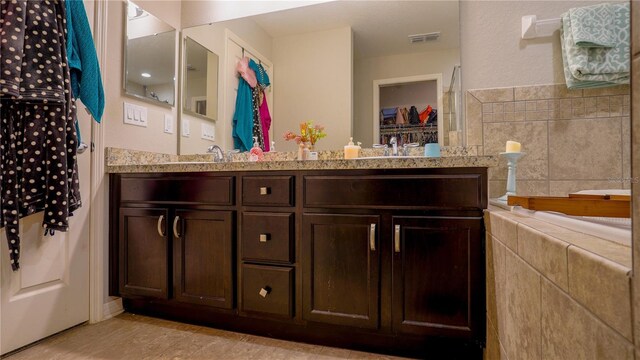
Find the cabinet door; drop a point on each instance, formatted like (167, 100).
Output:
(438, 276)
(203, 257)
(341, 269)
(144, 252)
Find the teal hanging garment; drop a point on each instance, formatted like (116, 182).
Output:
(243, 118)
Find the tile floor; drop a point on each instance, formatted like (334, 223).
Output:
(130, 336)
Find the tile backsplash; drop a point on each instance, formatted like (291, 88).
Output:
(573, 139)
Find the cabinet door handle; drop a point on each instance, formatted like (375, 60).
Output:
(175, 226)
(264, 237)
(396, 238)
(264, 291)
(264, 190)
(160, 232)
(372, 237)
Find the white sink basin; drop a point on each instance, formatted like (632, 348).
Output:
(390, 157)
(186, 162)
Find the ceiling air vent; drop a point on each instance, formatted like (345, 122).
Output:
(420, 38)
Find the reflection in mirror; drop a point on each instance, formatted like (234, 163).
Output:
(200, 88)
(150, 48)
(325, 60)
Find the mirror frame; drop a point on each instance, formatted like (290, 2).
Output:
(124, 62)
(183, 78)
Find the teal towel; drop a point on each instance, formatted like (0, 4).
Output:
(586, 67)
(243, 118)
(592, 26)
(243, 115)
(86, 81)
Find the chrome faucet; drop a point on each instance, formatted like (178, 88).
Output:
(382, 146)
(405, 148)
(230, 154)
(394, 144)
(218, 153)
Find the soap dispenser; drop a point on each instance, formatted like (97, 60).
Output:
(256, 154)
(351, 151)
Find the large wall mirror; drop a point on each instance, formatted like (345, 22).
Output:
(325, 59)
(200, 86)
(150, 52)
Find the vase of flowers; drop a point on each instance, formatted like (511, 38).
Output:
(309, 135)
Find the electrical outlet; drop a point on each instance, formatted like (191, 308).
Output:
(168, 124)
(208, 132)
(186, 127)
(135, 115)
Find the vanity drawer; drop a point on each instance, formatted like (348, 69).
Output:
(267, 236)
(267, 190)
(436, 191)
(213, 190)
(267, 290)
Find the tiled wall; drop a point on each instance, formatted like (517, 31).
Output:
(573, 139)
(555, 294)
(635, 160)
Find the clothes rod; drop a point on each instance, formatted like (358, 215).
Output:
(533, 28)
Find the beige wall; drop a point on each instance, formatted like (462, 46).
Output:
(493, 55)
(386, 67)
(213, 38)
(295, 70)
(118, 134)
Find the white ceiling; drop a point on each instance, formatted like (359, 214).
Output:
(380, 27)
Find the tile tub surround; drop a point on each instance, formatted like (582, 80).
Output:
(573, 139)
(553, 293)
(635, 147)
(127, 161)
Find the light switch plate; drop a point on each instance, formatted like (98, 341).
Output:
(135, 114)
(168, 124)
(186, 127)
(208, 132)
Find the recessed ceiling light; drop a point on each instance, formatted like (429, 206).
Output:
(147, 75)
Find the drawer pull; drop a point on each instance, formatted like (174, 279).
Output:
(265, 237)
(372, 237)
(265, 190)
(160, 232)
(396, 238)
(265, 291)
(175, 226)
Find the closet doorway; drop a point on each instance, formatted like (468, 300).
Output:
(420, 95)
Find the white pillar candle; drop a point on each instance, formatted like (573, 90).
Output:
(513, 147)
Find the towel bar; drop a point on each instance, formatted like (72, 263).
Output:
(533, 28)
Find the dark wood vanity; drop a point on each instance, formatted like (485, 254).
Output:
(381, 260)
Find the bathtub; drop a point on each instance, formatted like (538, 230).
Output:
(617, 230)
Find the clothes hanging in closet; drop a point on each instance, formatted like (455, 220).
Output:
(38, 167)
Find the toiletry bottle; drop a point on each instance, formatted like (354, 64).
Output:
(256, 154)
(351, 151)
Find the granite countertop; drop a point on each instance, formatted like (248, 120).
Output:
(132, 161)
